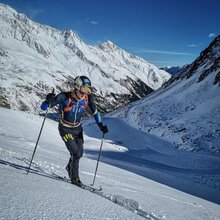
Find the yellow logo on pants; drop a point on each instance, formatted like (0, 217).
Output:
(68, 137)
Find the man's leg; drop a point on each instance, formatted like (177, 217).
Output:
(74, 144)
(76, 154)
(68, 166)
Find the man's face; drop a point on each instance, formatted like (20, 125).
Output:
(79, 94)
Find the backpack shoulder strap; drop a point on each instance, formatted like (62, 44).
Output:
(69, 106)
(87, 100)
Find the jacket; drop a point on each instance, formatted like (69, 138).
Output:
(72, 108)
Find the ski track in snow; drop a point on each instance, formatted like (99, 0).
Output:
(128, 204)
(46, 169)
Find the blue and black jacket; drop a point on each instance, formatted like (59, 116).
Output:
(72, 108)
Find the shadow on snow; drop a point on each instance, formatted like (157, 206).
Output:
(144, 158)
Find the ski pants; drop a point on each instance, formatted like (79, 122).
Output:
(73, 139)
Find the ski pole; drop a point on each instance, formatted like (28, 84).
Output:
(98, 159)
(38, 138)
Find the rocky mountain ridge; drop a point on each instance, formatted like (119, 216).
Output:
(185, 110)
(36, 58)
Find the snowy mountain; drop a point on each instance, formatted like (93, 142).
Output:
(142, 174)
(185, 111)
(35, 58)
(173, 70)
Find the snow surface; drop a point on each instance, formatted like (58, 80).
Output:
(142, 176)
(186, 113)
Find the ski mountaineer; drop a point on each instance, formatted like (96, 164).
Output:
(72, 105)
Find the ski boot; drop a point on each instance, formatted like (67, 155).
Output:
(77, 182)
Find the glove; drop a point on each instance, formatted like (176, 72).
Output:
(44, 106)
(103, 128)
(50, 97)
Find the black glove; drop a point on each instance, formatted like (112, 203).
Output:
(50, 97)
(103, 128)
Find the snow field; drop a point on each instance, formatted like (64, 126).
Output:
(125, 194)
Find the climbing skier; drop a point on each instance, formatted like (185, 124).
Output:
(72, 105)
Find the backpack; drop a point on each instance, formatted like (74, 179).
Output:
(71, 102)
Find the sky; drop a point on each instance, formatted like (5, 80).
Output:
(164, 32)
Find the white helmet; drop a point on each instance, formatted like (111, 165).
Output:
(83, 84)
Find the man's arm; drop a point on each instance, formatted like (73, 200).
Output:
(52, 100)
(94, 109)
(96, 114)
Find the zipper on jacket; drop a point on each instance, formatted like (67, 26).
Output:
(77, 104)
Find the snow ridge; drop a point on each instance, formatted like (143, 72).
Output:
(185, 111)
(36, 58)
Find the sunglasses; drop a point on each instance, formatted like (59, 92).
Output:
(85, 89)
(80, 92)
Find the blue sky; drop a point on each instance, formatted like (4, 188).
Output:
(164, 32)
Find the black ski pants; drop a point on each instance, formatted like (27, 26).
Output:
(73, 139)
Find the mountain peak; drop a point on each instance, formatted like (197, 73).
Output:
(46, 57)
(7, 7)
(108, 45)
(208, 59)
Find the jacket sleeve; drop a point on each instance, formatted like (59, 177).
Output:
(94, 110)
(58, 99)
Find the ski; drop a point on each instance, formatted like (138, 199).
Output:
(83, 186)
(91, 188)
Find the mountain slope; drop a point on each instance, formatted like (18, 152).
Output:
(185, 111)
(35, 58)
(173, 70)
(189, 189)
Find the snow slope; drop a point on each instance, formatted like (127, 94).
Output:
(35, 58)
(142, 176)
(185, 111)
